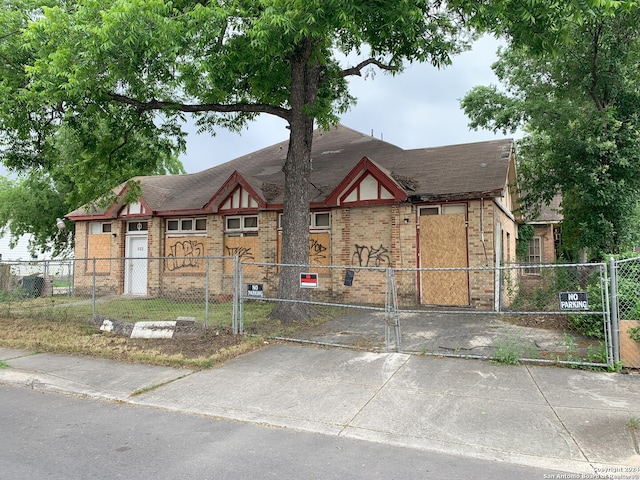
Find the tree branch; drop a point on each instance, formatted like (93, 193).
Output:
(204, 107)
(357, 70)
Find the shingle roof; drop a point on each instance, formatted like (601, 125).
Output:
(456, 171)
(551, 213)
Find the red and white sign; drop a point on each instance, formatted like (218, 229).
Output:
(308, 280)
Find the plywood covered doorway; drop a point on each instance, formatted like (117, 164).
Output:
(443, 244)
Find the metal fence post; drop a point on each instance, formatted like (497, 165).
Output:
(93, 290)
(206, 293)
(236, 303)
(238, 295)
(387, 314)
(615, 329)
(391, 310)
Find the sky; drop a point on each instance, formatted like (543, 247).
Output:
(417, 108)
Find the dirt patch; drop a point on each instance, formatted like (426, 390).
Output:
(192, 345)
(549, 322)
(190, 341)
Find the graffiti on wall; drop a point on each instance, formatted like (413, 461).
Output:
(370, 256)
(317, 252)
(238, 251)
(185, 254)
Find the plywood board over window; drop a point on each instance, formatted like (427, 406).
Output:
(99, 247)
(443, 244)
(247, 248)
(185, 254)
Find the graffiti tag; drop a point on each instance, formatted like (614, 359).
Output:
(243, 252)
(316, 251)
(187, 254)
(370, 256)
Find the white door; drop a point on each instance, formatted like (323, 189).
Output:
(135, 271)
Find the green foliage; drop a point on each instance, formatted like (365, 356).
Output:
(540, 293)
(509, 350)
(634, 333)
(633, 424)
(578, 105)
(569, 344)
(525, 234)
(95, 92)
(588, 325)
(591, 326)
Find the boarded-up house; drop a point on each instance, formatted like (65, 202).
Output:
(373, 204)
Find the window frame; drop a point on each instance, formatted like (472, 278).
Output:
(134, 231)
(180, 223)
(313, 221)
(243, 230)
(105, 227)
(536, 243)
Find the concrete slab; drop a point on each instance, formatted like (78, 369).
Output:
(468, 378)
(486, 428)
(321, 392)
(86, 376)
(552, 418)
(602, 434)
(584, 389)
(336, 365)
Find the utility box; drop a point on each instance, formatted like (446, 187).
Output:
(32, 286)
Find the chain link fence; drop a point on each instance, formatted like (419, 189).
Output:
(351, 304)
(543, 313)
(546, 313)
(117, 293)
(627, 303)
(36, 278)
(510, 313)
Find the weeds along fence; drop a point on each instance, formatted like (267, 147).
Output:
(37, 278)
(512, 312)
(356, 301)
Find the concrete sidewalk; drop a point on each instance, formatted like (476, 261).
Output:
(545, 417)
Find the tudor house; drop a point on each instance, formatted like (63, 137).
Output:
(373, 204)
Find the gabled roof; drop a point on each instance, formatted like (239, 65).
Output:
(250, 185)
(366, 168)
(551, 213)
(430, 174)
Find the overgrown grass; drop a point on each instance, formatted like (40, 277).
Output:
(64, 325)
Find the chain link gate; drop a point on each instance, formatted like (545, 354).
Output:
(544, 313)
(625, 309)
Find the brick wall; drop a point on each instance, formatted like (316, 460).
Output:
(376, 236)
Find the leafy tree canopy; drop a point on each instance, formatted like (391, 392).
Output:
(579, 108)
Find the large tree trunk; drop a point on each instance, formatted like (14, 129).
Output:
(305, 80)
